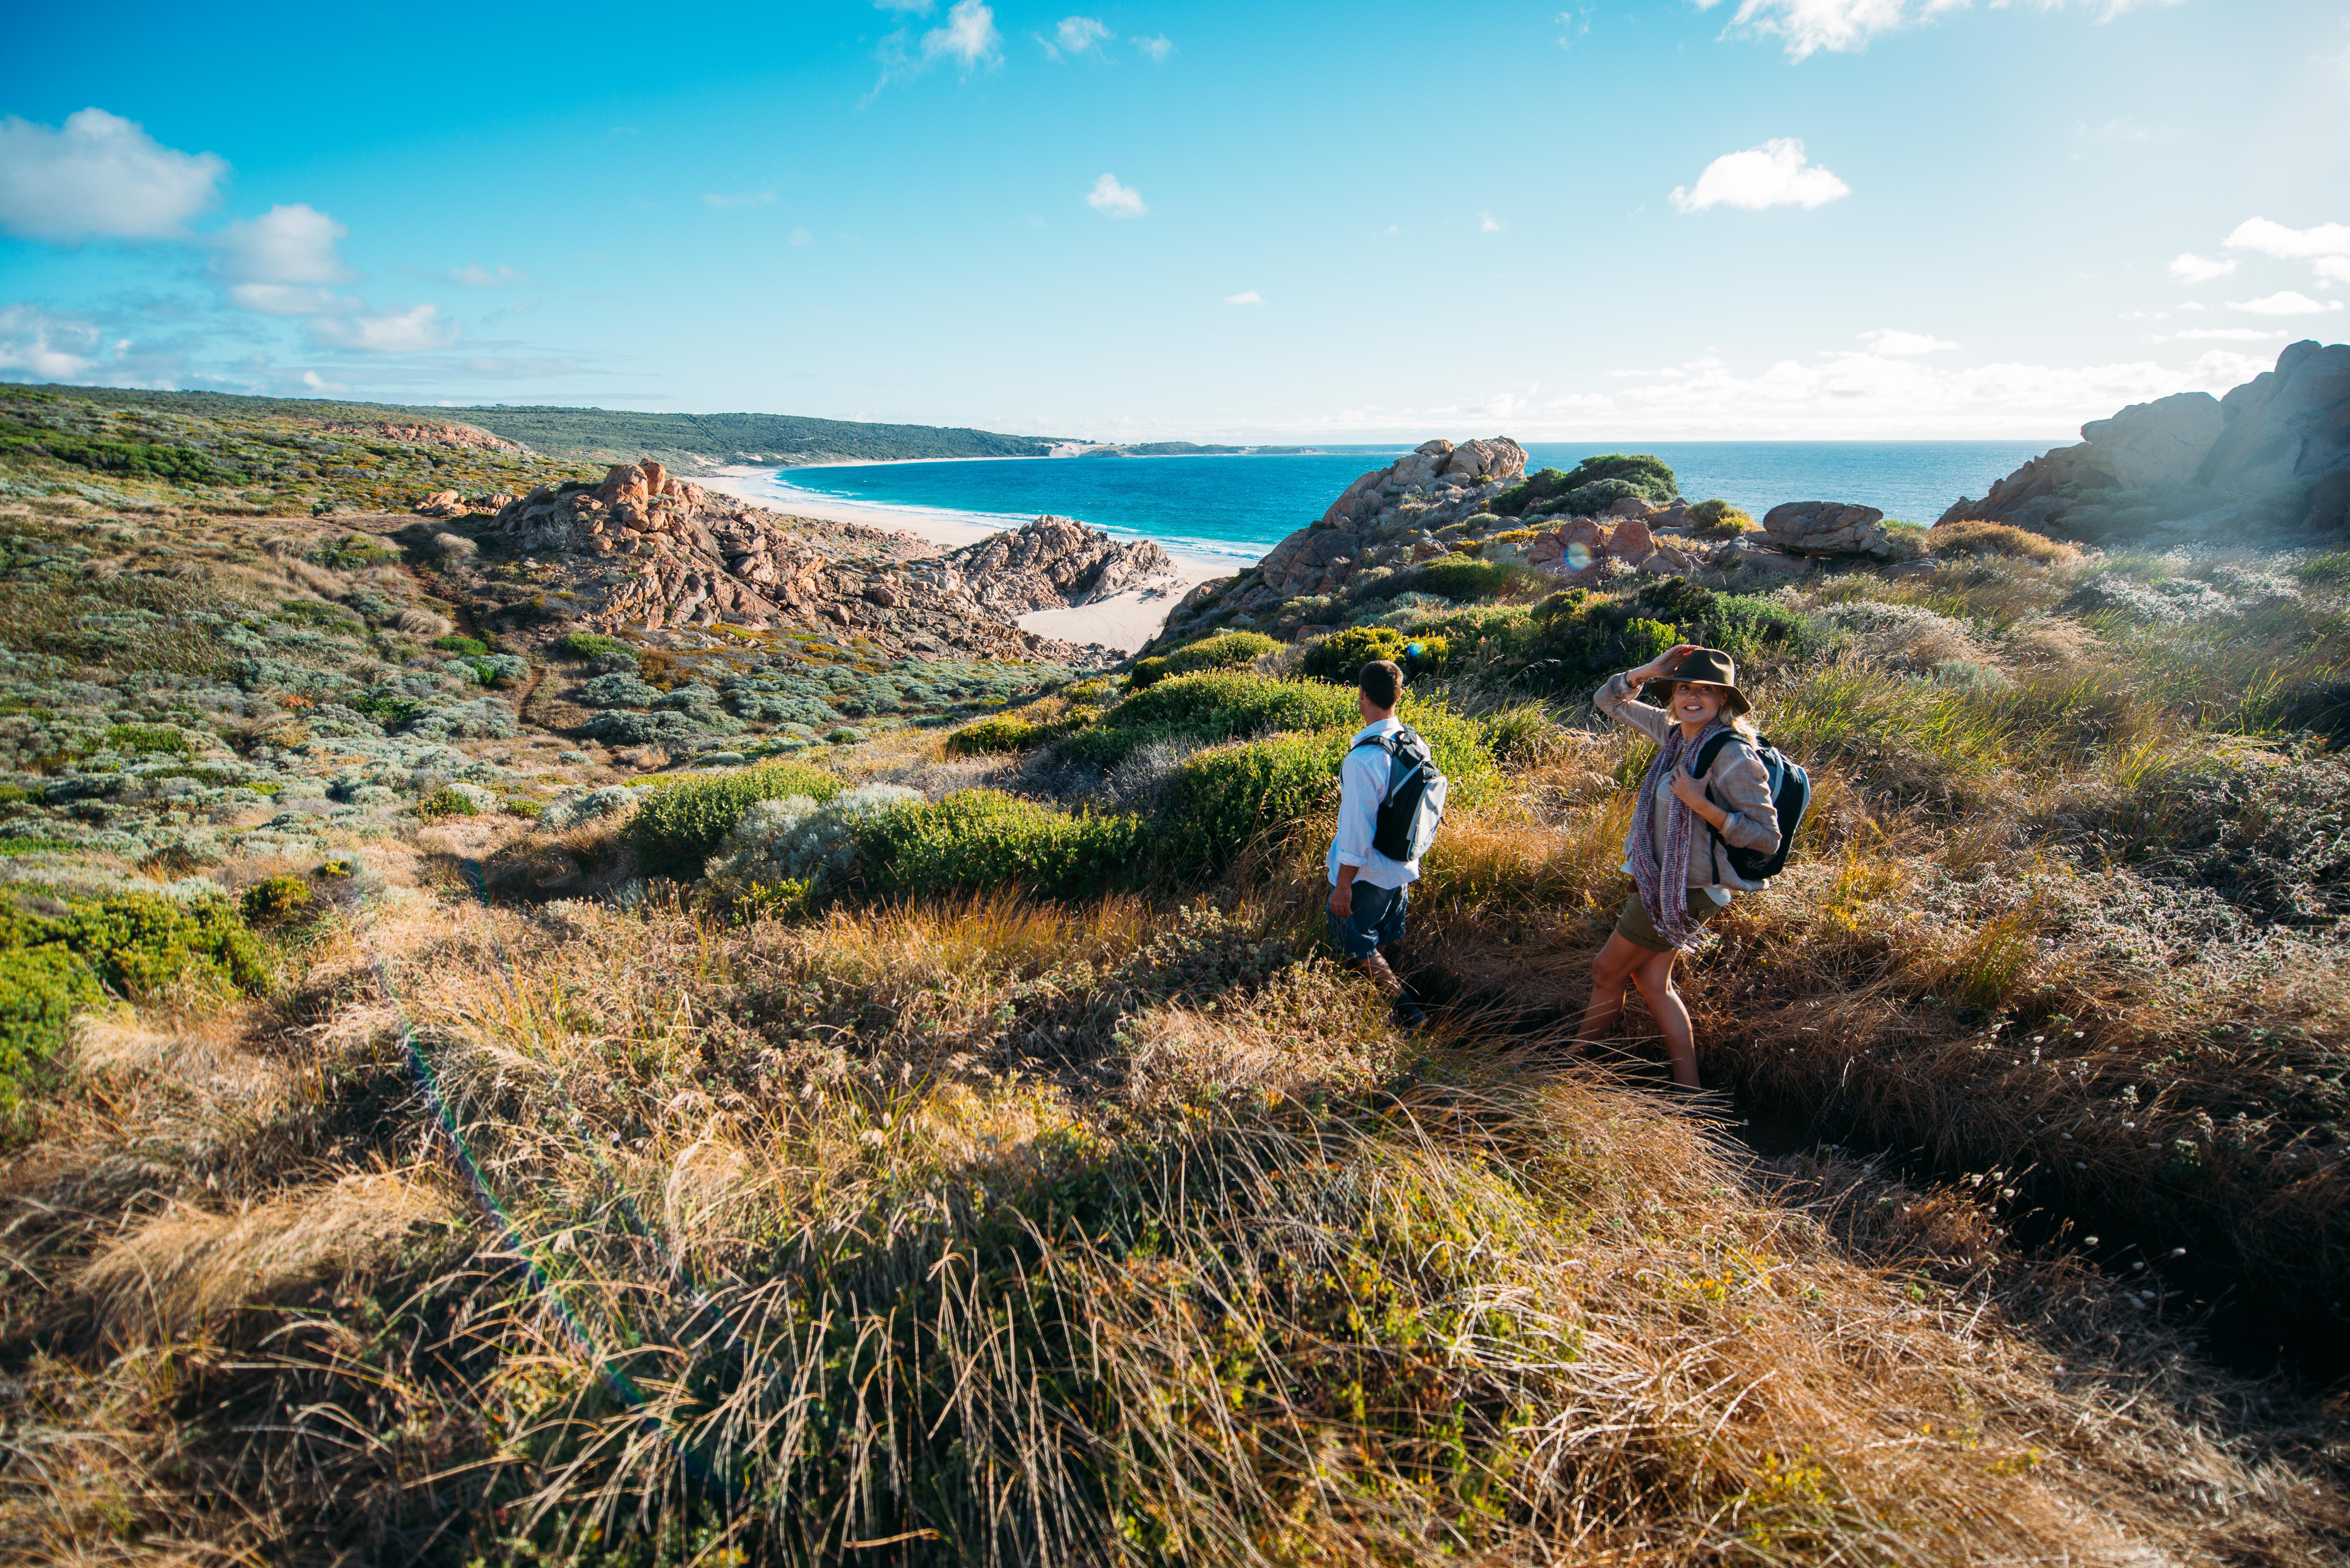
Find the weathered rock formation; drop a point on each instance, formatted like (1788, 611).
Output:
(450, 504)
(645, 550)
(1828, 528)
(1054, 562)
(472, 436)
(2271, 459)
(1380, 520)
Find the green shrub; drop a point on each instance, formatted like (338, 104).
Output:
(1463, 577)
(1974, 538)
(444, 802)
(137, 943)
(1340, 656)
(274, 899)
(1215, 706)
(977, 840)
(592, 645)
(41, 989)
(1717, 519)
(1001, 733)
(681, 825)
(1226, 650)
(1224, 798)
(146, 738)
(471, 647)
(1590, 487)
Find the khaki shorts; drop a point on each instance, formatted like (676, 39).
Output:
(1632, 922)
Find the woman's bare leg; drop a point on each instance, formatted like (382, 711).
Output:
(1655, 978)
(1611, 969)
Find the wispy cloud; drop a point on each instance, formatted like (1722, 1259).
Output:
(1114, 200)
(1840, 27)
(1887, 340)
(1249, 297)
(2222, 334)
(968, 37)
(479, 277)
(45, 346)
(409, 331)
(800, 237)
(2263, 237)
(99, 176)
(740, 199)
(1074, 35)
(2188, 267)
(2332, 269)
(1155, 48)
(283, 263)
(1776, 174)
(1487, 224)
(1573, 25)
(2287, 302)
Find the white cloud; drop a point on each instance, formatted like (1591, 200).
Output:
(1250, 297)
(2290, 245)
(2188, 267)
(2332, 269)
(1487, 224)
(1776, 174)
(1841, 26)
(2224, 334)
(1158, 48)
(2192, 304)
(1074, 35)
(740, 199)
(475, 275)
(800, 237)
(408, 331)
(281, 262)
(45, 346)
(323, 387)
(968, 37)
(2287, 302)
(99, 176)
(1116, 201)
(1886, 341)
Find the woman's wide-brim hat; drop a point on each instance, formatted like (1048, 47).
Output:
(1709, 667)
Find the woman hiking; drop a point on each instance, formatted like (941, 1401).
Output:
(1675, 852)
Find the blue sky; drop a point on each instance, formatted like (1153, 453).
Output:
(1747, 218)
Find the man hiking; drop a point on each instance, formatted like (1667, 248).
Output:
(1367, 887)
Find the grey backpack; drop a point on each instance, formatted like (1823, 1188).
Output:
(1414, 807)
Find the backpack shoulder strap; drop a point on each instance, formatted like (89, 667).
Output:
(1707, 753)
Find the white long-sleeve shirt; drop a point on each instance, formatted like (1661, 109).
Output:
(1362, 786)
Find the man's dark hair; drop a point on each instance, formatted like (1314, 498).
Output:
(1381, 681)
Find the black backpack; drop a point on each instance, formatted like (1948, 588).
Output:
(1791, 796)
(1416, 797)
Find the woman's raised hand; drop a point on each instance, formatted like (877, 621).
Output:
(1669, 660)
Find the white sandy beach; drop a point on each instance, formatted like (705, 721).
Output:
(1124, 621)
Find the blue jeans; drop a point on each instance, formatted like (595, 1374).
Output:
(1376, 922)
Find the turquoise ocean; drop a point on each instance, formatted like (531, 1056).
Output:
(1235, 508)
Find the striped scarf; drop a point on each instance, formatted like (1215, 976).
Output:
(1669, 914)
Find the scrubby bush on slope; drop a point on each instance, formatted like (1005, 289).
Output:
(1340, 656)
(679, 825)
(1212, 707)
(1225, 651)
(979, 840)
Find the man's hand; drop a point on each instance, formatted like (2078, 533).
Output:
(1342, 892)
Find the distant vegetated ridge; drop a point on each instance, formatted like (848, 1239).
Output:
(691, 442)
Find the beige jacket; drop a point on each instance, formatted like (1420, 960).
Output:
(1736, 783)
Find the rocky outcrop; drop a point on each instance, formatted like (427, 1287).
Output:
(1828, 528)
(450, 504)
(470, 436)
(645, 550)
(2270, 459)
(1381, 519)
(1055, 562)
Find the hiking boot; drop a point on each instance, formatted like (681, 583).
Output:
(1410, 1014)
